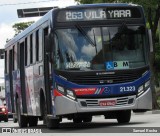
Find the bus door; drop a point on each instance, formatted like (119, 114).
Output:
(22, 76)
(47, 73)
(11, 78)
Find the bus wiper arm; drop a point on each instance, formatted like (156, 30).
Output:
(88, 38)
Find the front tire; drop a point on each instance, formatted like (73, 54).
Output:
(22, 120)
(15, 119)
(6, 119)
(77, 120)
(33, 121)
(124, 116)
(87, 119)
(53, 123)
(44, 111)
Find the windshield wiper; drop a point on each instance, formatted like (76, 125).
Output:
(88, 38)
(81, 68)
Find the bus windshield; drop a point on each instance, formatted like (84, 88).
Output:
(90, 48)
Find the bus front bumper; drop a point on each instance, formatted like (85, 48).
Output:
(64, 105)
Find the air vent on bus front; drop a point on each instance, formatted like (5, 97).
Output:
(104, 79)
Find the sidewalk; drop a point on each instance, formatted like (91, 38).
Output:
(148, 112)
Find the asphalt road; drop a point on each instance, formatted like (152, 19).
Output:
(149, 120)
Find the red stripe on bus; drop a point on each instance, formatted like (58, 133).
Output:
(84, 91)
(56, 93)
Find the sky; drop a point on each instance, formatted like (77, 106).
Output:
(8, 17)
(8, 14)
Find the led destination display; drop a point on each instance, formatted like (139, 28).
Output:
(98, 14)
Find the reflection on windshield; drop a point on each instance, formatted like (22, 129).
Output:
(91, 48)
(1, 103)
(125, 44)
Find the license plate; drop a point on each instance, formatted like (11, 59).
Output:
(107, 103)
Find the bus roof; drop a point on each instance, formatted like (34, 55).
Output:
(103, 5)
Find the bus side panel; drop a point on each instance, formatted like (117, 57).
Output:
(16, 86)
(38, 85)
(31, 103)
(7, 93)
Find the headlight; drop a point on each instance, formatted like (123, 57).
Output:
(60, 89)
(70, 94)
(67, 92)
(140, 90)
(147, 84)
(143, 88)
(3, 109)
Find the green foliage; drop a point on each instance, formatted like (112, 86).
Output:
(146, 3)
(157, 54)
(19, 27)
(94, 1)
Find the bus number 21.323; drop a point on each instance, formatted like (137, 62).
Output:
(127, 89)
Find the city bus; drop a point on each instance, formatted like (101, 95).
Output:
(78, 62)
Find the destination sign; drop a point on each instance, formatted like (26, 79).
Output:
(97, 14)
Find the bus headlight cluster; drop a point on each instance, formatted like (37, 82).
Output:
(60, 89)
(143, 88)
(70, 94)
(67, 92)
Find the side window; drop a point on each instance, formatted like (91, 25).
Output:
(18, 55)
(31, 48)
(40, 44)
(26, 51)
(37, 45)
(6, 62)
(15, 57)
(34, 47)
(45, 33)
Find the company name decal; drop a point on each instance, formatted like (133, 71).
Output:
(78, 65)
(85, 91)
(91, 91)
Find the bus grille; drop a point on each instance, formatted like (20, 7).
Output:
(121, 101)
(104, 79)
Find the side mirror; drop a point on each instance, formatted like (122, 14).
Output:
(48, 43)
(150, 40)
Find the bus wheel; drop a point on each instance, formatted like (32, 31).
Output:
(33, 121)
(77, 120)
(15, 119)
(87, 119)
(53, 123)
(6, 119)
(44, 111)
(124, 116)
(22, 120)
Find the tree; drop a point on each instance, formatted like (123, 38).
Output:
(19, 27)
(152, 12)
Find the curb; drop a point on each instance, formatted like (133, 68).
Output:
(156, 112)
(148, 112)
